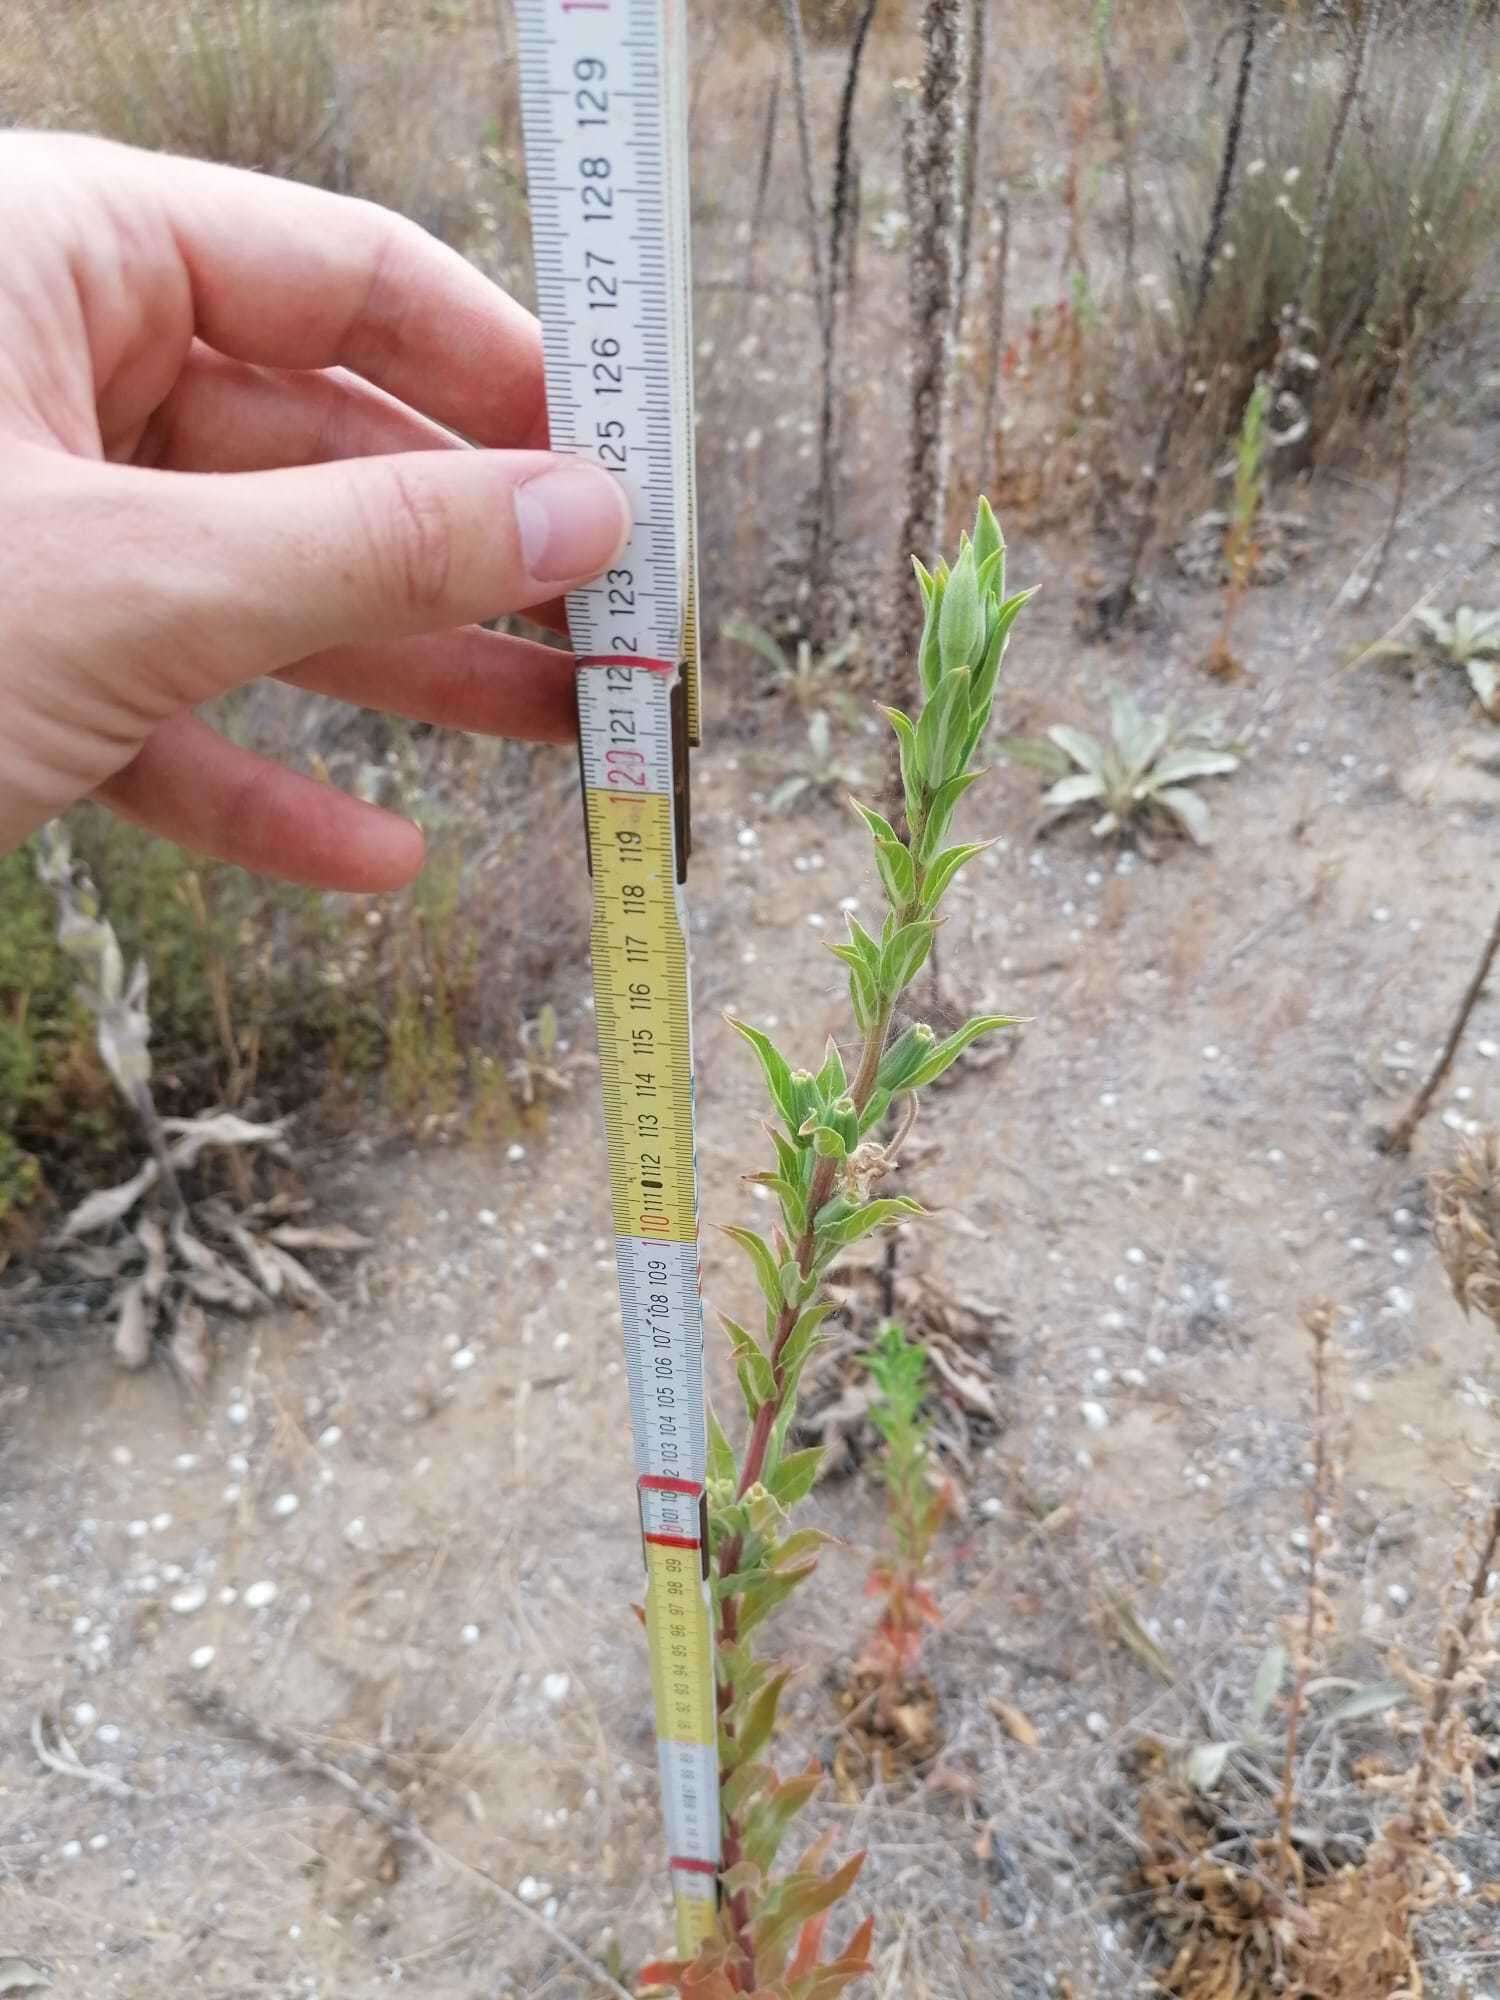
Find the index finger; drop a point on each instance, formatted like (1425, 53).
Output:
(292, 277)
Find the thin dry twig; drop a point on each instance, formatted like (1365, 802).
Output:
(1318, 1320)
(1398, 1139)
(213, 1708)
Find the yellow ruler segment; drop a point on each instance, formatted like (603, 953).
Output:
(641, 1002)
(681, 1665)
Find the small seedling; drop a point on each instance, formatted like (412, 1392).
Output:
(1470, 639)
(916, 1506)
(1140, 775)
(1239, 534)
(813, 681)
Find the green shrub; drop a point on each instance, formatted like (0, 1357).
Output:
(1412, 228)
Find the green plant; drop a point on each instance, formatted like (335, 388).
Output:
(812, 680)
(829, 1164)
(1239, 531)
(1140, 774)
(916, 1506)
(1469, 639)
(814, 769)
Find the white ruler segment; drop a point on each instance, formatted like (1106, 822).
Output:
(604, 103)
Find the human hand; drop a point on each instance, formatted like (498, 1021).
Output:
(228, 408)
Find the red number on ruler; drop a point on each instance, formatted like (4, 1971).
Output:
(624, 767)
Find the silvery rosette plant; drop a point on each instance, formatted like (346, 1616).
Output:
(831, 1157)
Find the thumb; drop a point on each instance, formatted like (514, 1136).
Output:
(260, 569)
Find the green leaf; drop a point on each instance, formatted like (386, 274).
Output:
(988, 540)
(876, 1105)
(791, 1158)
(905, 955)
(961, 617)
(828, 1144)
(987, 674)
(721, 1460)
(1074, 790)
(1178, 766)
(929, 654)
(796, 1475)
(800, 1342)
(754, 1730)
(1187, 809)
(762, 1594)
(831, 1079)
(793, 1201)
(786, 1910)
(1081, 748)
(864, 989)
(869, 1215)
(759, 1253)
(942, 728)
(911, 774)
(757, 1382)
(792, 1282)
(742, 1784)
(941, 872)
(940, 812)
(767, 1824)
(880, 827)
(774, 1066)
(948, 1051)
(893, 859)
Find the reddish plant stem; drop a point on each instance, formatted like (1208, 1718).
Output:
(1455, 1652)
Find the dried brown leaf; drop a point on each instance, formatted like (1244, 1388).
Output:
(1015, 1722)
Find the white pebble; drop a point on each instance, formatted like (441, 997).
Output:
(991, 1508)
(1398, 1594)
(540, 1250)
(331, 1436)
(135, 1529)
(487, 1218)
(259, 1595)
(515, 1151)
(1096, 1724)
(108, 1732)
(71, 1849)
(355, 1529)
(185, 1461)
(98, 1842)
(1094, 1415)
(555, 1686)
(470, 1635)
(531, 1891)
(85, 1714)
(229, 1595)
(238, 1413)
(1157, 1356)
(1489, 1050)
(1135, 1255)
(202, 1656)
(464, 1358)
(747, 836)
(1211, 1053)
(192, 1599)
(284, 1505)
(81, 1624)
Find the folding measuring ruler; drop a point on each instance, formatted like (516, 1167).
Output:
(604, 112)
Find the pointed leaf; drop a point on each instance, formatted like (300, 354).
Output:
(941, 730)
(1081, 747)
(1187, 809)
(904, 956)
(870, 1215)
(795, 1477)
(1073, 791)
(906, 737)
(960, 619)
(767, 1823)
(940, 812)
(753, 1731)
(942, 871)
(1180, 765)
(774, 1067)
(760, 1255)
(949, 1050)
(1269, 1676)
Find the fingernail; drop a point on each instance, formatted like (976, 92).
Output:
(572, 520)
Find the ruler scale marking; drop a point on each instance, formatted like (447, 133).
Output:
(604, 111)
